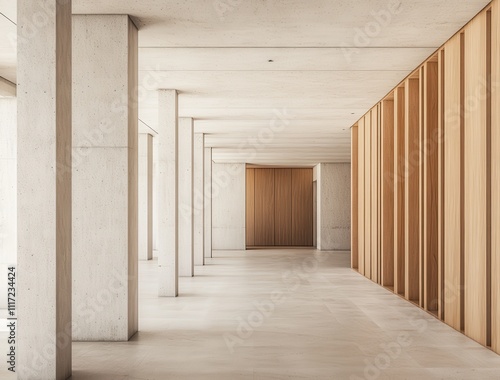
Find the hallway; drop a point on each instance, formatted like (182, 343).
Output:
(317, 319)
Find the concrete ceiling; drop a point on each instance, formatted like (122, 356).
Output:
(331, 62)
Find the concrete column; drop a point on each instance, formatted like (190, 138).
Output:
(44, 190)
(185, 167)
(8, 191)
(105, 179)
(198, 198)
(168, 199)
(207, 192)
(145, 196)
(156, 190)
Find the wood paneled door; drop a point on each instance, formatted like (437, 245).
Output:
(279, 207)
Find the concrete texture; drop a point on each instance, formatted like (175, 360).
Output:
(145, 199)
(228, 206)
(198, 199)
(207, 192)
(44, 169)
(185, 168)
(168, 254)
(105, 178)
(156, 199)
(333, 206)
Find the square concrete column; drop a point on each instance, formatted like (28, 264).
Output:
(44, 190)
(207, 191)
(168, 197)
(145, 196)
(198, 199)
(105, 179)
(185, 167)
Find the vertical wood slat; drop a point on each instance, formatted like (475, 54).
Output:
(354, 197)
(302, 201)
(379, 191)
(374, 193)
(368, 196)
(399, 190)
(441, 185)
(250, 207)
(421, 188)
(475, 180)
(430, 186)
(495, 177)
(453, 182)
(264, 207)
(412, 217)
(283, 207)
(387, 188)
(361, 196)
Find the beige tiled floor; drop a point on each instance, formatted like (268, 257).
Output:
(329, 323)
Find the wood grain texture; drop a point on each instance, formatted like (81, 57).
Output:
(374, 194)
(399, 190)
(354, 197)
(430, 186)
(475, 180)
(368, 196)
(441, 187)
(283, 207)
(264, 207)
(361, 196)
(495, 178)
(412, 216)
(302, 204)
(250, 207)
(453, 183)
(387, 198)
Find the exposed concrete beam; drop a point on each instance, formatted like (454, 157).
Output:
(7, 88)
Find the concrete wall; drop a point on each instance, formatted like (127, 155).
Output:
(228, 206)
(333, 206)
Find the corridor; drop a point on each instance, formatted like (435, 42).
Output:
(282, 314)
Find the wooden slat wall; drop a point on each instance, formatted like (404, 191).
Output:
(302, 213)
(445, 207)
(264, 207)
(354, 197)
(283, 207)
(412, 217)
(476, 204)
(361, 196)
(399, 190)
(250, 207)
(495, 178)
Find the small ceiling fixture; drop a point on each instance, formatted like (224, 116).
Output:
(270, 61)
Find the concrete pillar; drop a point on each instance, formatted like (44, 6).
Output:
(198, 199)
(207, 192)
(105, 179)
(156, 190)
(145, 196)
(8, 191)
(168, 199)
(185, 167)
(44, 190)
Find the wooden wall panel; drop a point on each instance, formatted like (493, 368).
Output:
(361, 196)
(368, 196)
(374, 194)
(412, 217)
(354, 197)
(399, 190)
(495, 178)
(250, 207)
(264, 207)
(302, 201)
(440, 138)
(387, 189)
(476, 205)
(453, 182)
(430, 186)
(283, 207)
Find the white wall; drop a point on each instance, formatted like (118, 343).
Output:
(228, 206)
(8, 191)
(333, 206)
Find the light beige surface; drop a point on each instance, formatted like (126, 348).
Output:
(328, 326)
